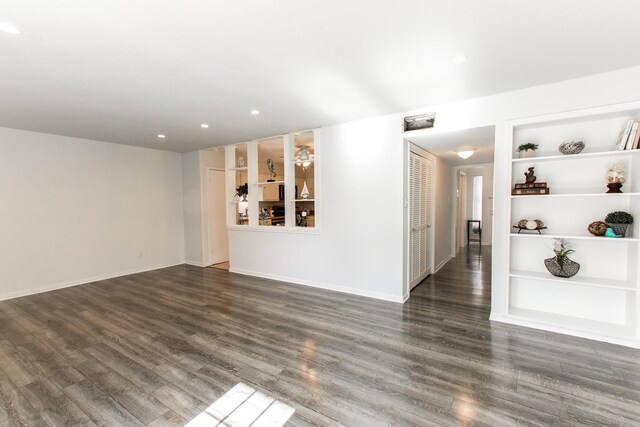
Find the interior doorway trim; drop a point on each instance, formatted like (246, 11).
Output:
(460, 201)
(454, 189)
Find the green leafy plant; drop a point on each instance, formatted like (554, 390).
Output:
(242, 190)
(528, 146)
(619, 217)
(562, 250)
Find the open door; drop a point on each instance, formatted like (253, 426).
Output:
(218, 238)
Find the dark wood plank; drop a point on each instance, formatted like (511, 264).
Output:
(53, 405)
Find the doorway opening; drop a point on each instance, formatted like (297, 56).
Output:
(217, 255)
(461, 202)
(475, 207)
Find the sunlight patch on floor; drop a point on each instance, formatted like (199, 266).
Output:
(242, 406)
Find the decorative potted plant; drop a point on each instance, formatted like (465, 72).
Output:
(242, 191)
(561, 265)
(619, 222)
(527, 150)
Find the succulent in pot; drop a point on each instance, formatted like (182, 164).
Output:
(527, 150)
(619, 222)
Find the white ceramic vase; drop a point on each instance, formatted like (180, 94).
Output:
(525, 154)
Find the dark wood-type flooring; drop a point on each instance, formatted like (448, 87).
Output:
(157, 348)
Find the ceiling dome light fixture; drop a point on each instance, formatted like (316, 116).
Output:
(459, 59)
(161, 136)
(466, 153)
(9, 28)
(255, 112)
(204, 126)
(303, 158)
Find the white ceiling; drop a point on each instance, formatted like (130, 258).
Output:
(446, 145)
(123, 71)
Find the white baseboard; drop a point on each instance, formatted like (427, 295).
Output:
(327, 286)
(505, 318)
(83, 281)
(439, 266)
(195, 263)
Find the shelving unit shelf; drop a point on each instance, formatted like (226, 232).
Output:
(269, 183)
(598, 282)
(602, 300)
(580, 156)
(604, 195)
(596, 330)
(577, 237)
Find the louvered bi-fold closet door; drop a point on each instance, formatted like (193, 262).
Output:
(420, 171)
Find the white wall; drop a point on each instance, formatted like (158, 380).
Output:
(74, 211)
(359, 248)
(444, 212)
(486, 171)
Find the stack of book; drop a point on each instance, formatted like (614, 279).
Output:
(527, 189)
(629, 136)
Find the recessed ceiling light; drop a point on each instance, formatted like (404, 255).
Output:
(459, 59)
(161, 136)
(10, 28)
(255, 112)
(204, 125)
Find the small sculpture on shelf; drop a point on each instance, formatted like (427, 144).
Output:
(272, 169)
(264, 214)
(533, 225)
(301, 218)
(561, 265)
(616, 176)
(530, 178)
(530, 186)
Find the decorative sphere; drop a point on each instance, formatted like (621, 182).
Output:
(532, 225)
(598, 228)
